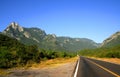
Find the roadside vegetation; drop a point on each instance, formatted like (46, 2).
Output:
(15, 54)
(106, 52)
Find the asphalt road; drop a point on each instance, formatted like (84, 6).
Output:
(87, 67)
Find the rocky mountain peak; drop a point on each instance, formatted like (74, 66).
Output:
(14, 26)
(53, 35)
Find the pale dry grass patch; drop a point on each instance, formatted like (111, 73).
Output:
(4, 72)
(54, 62)
(112, 60)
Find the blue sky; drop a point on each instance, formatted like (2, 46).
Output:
(93, 19)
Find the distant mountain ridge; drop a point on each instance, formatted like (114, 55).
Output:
(39, 37)
(113, 40)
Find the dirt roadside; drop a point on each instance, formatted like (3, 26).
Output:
(64, 70)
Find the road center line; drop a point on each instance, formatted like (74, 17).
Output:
(75, 75)
(104, 68)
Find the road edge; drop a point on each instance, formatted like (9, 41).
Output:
(76, 68)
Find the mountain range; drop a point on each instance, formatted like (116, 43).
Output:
(36, 36)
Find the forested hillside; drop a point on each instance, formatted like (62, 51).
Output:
(108, 52)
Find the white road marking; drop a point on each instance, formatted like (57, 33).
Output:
(75, 74)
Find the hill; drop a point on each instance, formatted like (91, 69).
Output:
(76, 43)
(113, 40)
(110, 48)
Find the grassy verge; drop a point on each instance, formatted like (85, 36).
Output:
(54, 62)
(111, 60)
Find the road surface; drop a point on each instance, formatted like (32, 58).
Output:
(87, 67)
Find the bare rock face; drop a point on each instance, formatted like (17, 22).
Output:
(53, 35)
(15, 26)
(26, 34)
(36, 40)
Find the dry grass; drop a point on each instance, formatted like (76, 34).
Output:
(4, 72)
(54, 62)
(112, 60)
